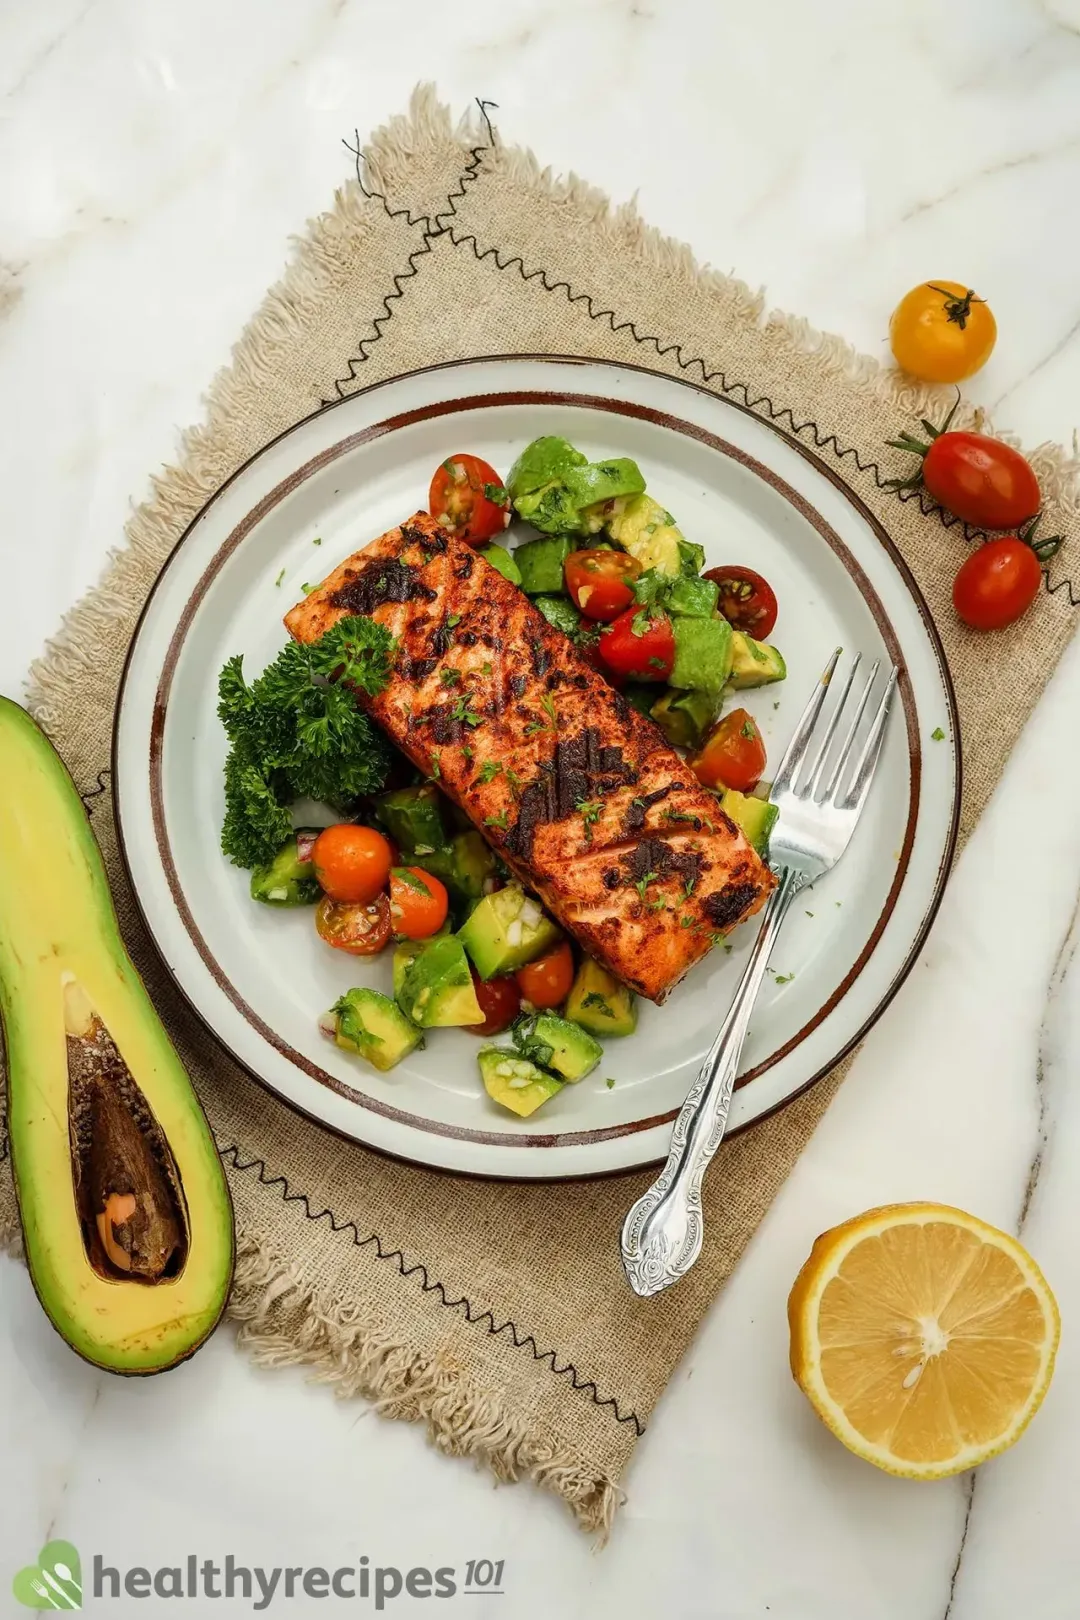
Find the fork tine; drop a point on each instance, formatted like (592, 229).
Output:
(796, 748)
(808, 788)
(864, 770)
(849, 741)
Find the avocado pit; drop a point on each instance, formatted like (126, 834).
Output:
(127, 1189)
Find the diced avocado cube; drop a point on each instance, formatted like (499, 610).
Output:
(684, 717)
(693, 598)
(500, 558)
(552, 510)
(506, 930)
(561, 612)
(370, 1025)
(287, 880)
(574, 1052)
(463, 865)
(702, 655)
(754, 663)
(434, 988)
(755, 818)
(603, 481)
(542, 462)
(599, 1003)
(647, 532)
(540, 564)
(515, 1082)
(413, 817)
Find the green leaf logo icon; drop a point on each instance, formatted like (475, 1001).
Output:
(54, 1582)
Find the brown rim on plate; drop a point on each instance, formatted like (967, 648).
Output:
(662, 419)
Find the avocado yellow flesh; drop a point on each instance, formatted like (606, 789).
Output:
(66, 982)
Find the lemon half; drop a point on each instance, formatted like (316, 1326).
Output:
(922, 1337)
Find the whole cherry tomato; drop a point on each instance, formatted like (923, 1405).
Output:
(997, 584)
(351, 862)
(467, 497)
(635, 645)
(941, 332)
(979, 479)
(500, 1003)
(733, 754)
(418, 902)
(601, 582)
(547, 981)
(747, 601)
(361, 930)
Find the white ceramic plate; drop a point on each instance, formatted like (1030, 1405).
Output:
(260, 978)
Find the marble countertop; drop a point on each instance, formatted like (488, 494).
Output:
(156, 157)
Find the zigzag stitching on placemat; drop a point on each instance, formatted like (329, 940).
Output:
(777, 414)
(474, 1317)
(432, 229)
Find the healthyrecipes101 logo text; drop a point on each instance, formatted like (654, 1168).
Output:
(56, 1581)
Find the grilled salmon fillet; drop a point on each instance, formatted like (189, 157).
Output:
(578, 792)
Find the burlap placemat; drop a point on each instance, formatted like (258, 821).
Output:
(498, 1313)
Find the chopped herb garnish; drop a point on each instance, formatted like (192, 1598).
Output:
(656, 905)
(489, 769)
(748, 729)
(595, 999)
(783, 978)
(467, 752)
(462, 711)
(671, 814)
(497, 495)
(689, 887)
(547, 703)
(610, 1084)
(657, 663)
(514, 783)
(453, 620)
(317, 540)
(485, 667)
(280, 577)
(450, 677)
(687, 920)
(589, 810)
(938, 735)
(643, 883)
(776, 704)
(809, 913)
(307, 589)
(411, 881)
(436, 768)
(496, 821)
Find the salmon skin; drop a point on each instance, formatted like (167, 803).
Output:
(578, 792)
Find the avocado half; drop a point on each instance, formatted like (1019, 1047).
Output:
(126, 1215)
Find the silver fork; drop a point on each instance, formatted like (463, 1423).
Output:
(819, 806)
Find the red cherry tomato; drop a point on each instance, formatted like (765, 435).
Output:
(747, 601)
(546, 982)
(646, 657)
(361, 930)
(601, 582)
(418, 902)
(978, 479)
(997, 584)
(733, 755)
(500, 1003)
(468, 498)
(351, 862)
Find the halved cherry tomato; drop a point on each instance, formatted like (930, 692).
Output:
(601, 581)
(546, 982)
(500, 1003)
(978, 479)
(351, 862)
(418, 902)
(997, 584)
(361, 930)
(747, 601)
(468, 498)
(733, 755)
(648, 655)
(941, 332)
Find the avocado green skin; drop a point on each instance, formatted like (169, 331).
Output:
(501, 559)
(434, 987)
(684, 717)
(561, 612)
(58, 926)
(413, 816)
(574, 1052)
(543, 461)
(754, 663)
(702, 655)
(540, 564)
(599, 481)
(599, 1003)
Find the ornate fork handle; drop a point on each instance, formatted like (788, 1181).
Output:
(661, 1236)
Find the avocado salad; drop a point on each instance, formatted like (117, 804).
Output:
(402, 866)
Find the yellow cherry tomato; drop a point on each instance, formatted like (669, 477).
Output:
(941, 332)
